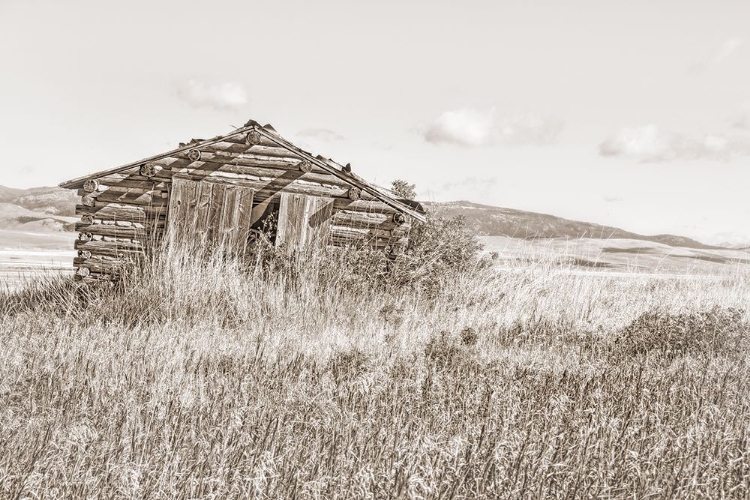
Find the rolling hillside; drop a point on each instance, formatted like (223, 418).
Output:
(54, 205)
(46, 200)
(496, 221)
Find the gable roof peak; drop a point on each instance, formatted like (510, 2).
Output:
(269, 133)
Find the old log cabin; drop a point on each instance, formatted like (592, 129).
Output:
(221, 190)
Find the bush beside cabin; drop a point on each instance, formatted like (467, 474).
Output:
(221, 191)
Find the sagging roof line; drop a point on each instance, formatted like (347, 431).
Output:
(346, 177)
(269, 133)
(78, 181)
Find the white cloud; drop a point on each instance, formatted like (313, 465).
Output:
(472, 183)
(730, 239)
(323, 134)
(649, 144)
(465, 127)
(726, 50)
(718, 55)
(218, 96)
(470, 127)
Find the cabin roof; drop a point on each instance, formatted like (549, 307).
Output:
(407, 207)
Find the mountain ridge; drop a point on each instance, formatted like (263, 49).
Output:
(46, 199)
(489, 220)
(486, 220)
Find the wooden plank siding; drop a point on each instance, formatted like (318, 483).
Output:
(212, 213)
(304, 221)
(215, 190)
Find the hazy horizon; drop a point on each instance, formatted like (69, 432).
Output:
(630, 114)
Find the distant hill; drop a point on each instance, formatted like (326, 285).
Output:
(47, 200)
(496, 221)
(56, 205)
(37, 210)
(18, 218)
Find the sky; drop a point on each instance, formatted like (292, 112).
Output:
(627, 113)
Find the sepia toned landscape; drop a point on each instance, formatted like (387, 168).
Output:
(521, 368)
(323, 249)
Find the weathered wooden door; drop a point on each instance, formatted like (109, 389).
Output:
(304, 221)
(210, 212)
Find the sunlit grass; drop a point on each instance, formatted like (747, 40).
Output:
(223, 380)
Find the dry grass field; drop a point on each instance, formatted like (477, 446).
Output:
(229, 380)
(25, 256)
(620, 255)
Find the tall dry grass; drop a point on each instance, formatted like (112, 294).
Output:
(281, 379)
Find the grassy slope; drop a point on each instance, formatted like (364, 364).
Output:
(212, 381)
(52, 200)
(620, 255)
(496, 221)
(486, 220)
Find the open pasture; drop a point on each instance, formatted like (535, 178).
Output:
(621, 256)
(27, 255)
(219, 381)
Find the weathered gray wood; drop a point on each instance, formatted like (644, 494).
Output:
(193, 154)
(364, 220)
(78, 182)
(150, 169)
(229, 222)
(362, 206)
(244, 218)
(98, 265)
(183, 216)
(131, 197)
(202, 206)
(290, 220)
(95, 278)
(242, 148)
(348, 176)
(242, 139)
(260, 172)
(113, 231)
(117, 189)
(112, 211)
(249, 159)
(216, 206)
(304, 221)
(215, 213)
(108, 247)
(285, 183)
(181, 204)
(135, 181)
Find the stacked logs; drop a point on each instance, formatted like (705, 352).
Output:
(124, 214)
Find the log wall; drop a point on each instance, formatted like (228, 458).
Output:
(124, 214)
